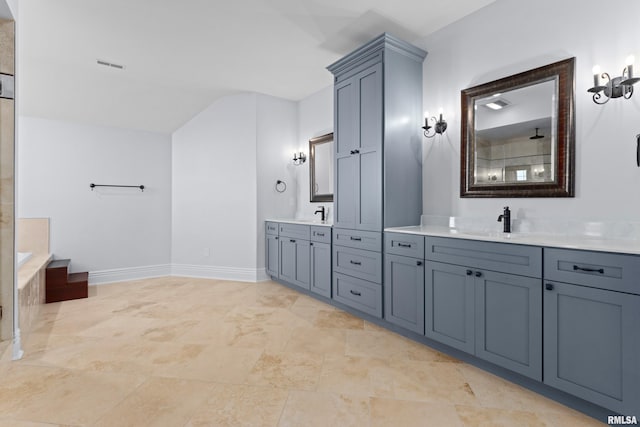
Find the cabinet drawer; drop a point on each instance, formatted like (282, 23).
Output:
(616, 272)
(369, 240)
(365, 265)
(321, 234)
(503, 257)
(359, 294)
(296, 231)
(271, 228)
(410, 245)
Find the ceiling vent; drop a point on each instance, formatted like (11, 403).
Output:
(110, 64)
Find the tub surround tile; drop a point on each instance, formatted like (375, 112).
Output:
(7, 47)
(33, 235)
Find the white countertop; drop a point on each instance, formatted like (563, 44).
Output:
(630, 246)
(302, 222)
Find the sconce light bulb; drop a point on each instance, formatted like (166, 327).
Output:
(631, 59)
(440, 111)
(596, 69)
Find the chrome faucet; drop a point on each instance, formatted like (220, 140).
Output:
(506, 216)
(322, 213)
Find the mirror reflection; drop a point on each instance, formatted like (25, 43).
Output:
(518, 137)
(515, 136)
(321, 168)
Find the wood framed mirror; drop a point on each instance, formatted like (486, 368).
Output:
(321, 168)
(518, 136)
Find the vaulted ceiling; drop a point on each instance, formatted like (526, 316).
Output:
(180, 56)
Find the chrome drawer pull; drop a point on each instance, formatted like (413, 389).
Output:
(357, 239)
(355, 262)
(320, 234)
(358, 294)
(589, 270)
(404, 245)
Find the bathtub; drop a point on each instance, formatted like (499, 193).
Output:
(22, 257)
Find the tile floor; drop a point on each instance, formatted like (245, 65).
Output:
(192, 352)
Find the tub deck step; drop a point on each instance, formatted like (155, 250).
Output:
(62, 285)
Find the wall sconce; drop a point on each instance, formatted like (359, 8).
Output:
(439, 126)
(613, 87)
(299, 158)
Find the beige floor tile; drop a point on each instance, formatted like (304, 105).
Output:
(389, 345)
(55, 395)
(493, 417)
(353, 376)
(72, 324)
(494, 392)
(119, 355)
(306, 408)
(5, 422)
(437, 382)
(337, 319)
(171, 351)
(240, 405)
(307, 308)
(299, 371)
(387, 412)
(158, 402)
(217, 363)
(317, 341)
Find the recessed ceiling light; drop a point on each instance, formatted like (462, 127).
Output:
(496, 105)
(109, 64)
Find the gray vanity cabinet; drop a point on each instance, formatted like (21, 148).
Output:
(487, 306)
(404, 280)
(508, 322)
(404, 292)
(320, 247)
(449, 305)
(591, 339)
(272, 252)
(272, 249)
(358, 142)
(378, 161)
(295, 261)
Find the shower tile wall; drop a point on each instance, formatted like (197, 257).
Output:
(7, 220)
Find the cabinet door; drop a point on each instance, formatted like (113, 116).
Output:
(592, 345)
(358, 164)
(404, 292)
(272, 255)
(449, 305)
(509, 322)
(369, 201)
(321, 269)
(294, 262)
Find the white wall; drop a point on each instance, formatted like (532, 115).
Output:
(315, 118)
(104, 229)
(507, 37)
(277, 128)
(214, 189)
(226, 162)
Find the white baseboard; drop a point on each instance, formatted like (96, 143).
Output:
(215, 272)
(130, 273)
